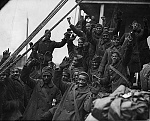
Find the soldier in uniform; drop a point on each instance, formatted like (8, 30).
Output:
(106, 59)
(44, 91)
(140, 54)
(85, 36)
(11, 93)
(116, 73)
(20, 86)
(45, 47)
(43, 51)
(80, 50)
(76, 100)
(93, 71)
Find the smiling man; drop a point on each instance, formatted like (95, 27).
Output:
(76, 100)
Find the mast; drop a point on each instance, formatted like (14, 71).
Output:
(27, 37)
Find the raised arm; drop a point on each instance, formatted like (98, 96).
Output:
(25, 73)
(6, 55)
(71, 47)
(146, 30)
(75, 30)
(93, 40)
(103, 62)
(128, 52)
(58, 82)
(118, 26)
(60, 44)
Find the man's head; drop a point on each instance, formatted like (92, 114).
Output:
(69, 32)
(99, 28)
(135, 25)
(115, 56)
(47, 34)
(47, 74)
(88, 26)
(83, 79)
(15, 73)
(81, 42)
(51, 65)
(105, 35)
(65, 75)
(93, 17)
(77, 60)
(75, 75)
(115, 40)
(95, 62)
(4, 75)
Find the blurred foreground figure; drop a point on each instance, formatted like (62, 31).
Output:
(11, 94)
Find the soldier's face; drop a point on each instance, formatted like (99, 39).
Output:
(115, 41)
(105, 37)
(3, 77)
(88, 26)
(15, 73)
(135, 26)
(75, 76)
(115, 58)
(99, 29)
(75, 61)
(82, 81)
(48, 35)
(65, 77)
(46, 78)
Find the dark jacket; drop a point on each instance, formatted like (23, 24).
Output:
(140, 54)
(12, 102)
(43, 50)
(87, 35)
(66, 108)
(41, 98)
(111, 77)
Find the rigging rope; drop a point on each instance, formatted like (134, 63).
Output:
(31, 36)
(17, 59)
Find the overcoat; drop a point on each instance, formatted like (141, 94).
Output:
(41, 98)
(66, 109)
(113, 78)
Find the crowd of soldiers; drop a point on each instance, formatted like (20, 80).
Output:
(95, 68)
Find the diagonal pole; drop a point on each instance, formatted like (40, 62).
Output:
(16, 60)
(32, 35)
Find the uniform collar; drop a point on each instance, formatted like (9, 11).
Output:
(44, 39)
(83, 89)
(50, 85)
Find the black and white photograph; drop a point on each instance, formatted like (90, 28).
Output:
(75, 60)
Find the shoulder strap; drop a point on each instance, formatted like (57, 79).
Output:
(75, 104)
(118, 72)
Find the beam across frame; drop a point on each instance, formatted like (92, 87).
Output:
(115, 2)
